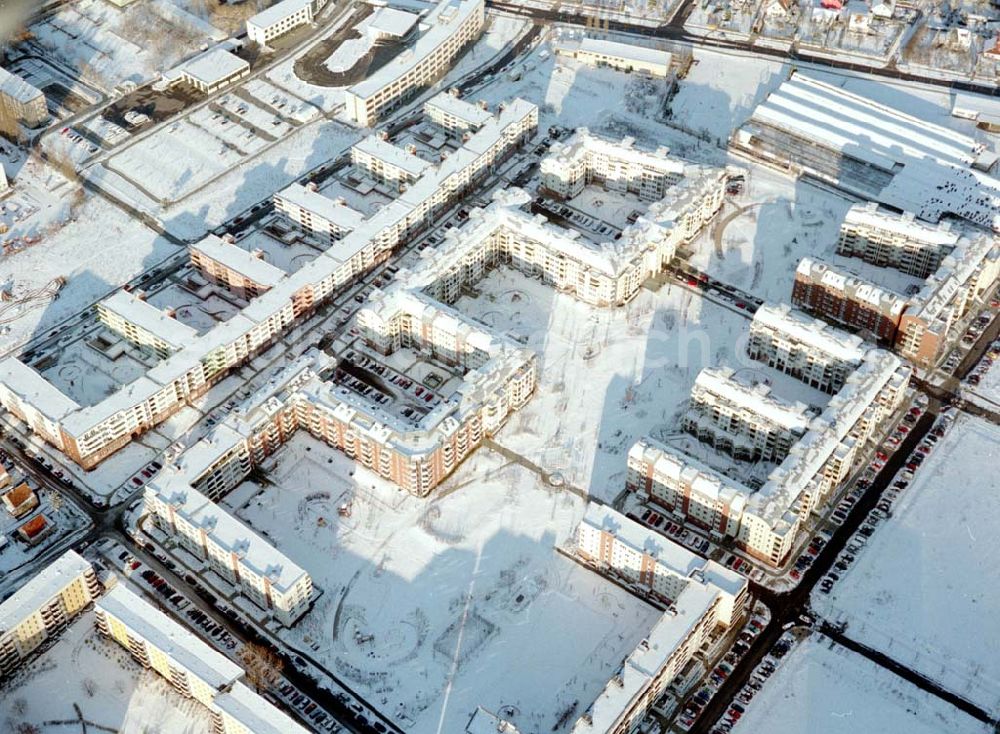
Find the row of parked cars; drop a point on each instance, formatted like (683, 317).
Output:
(984, 364)
(883, 510)
(658, 521)
(693, 708)
(765, 668)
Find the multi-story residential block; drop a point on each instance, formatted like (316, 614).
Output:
(239, 555)
(308, 209)
(20, 101)
(586, 159)
(281, 18)
(704, 598)
(626, 57)
(89, 435)
(900, 241)
(454, 114)
(743, 419)
(764, 522)
(194, 669)
(386, 162)
(43, 607)
(245, 273)
(838, 296)
(450, 26)
(806, 348)
(143, 324)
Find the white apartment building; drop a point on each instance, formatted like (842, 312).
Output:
(585, 159)
(209, 71)
(454, 114)
(261, 573)
(143, 324)
(303, 206)
(191, 666)
(808, 349)
(900, 241)
(743, 419)
(703, 598)
(89, 435)
(281, 18)
(386, 162)
(764, 522)
(21, 101)
(626, 57)
(43, 607)
(444, 32)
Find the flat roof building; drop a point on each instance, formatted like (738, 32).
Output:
(627, 57)
(281, 18)
(143, 324)
(44, 606)
(702, 597)
(21, 101)
(444, 32)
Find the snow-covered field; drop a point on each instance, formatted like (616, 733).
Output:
(757, 240)
(923, 590)
(95, 247)
(607, 376)
(112, 692)
(431, 605)
(821, 688)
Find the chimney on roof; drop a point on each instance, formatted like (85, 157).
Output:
(258, 253)
(229, 237)
(312, 186)
(411, 149)
(383, 134)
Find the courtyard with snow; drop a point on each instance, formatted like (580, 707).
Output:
(429, 604)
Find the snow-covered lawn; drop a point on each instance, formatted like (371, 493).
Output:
(607, 376)
(757, 240)
(923, 590)
(83, 669)
(95, 248)
(433, 607)
(821, 688)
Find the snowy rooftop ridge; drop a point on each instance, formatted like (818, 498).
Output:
(238, 260)
(15, 87)
(171, 488)
(332, 210)
(277, 12)
(255, 713)
(583, 143)
(813, 333)
(625, 51)
(873, 216)
(382, 150)
(146, 316)
(459, 108)
(756, 397)
(30, 387)
(178, 643)
(41, 588)
(831, 276)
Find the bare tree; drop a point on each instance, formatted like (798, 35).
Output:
(263, 665)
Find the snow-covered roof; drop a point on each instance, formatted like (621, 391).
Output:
(811, 333)
(442, 23)
(177, 642)
(755, 397)
(278, 12)
(148, 317)
(16, 88)
(583, 143)
(33, 389)
(44, 585)
(239, 260)
(214, 66)
(225, 531)
(871, 215)
(383, 150)
(977, 106)
(467, 112)
(930, 169)
(392, 22)
(335, 211)
(852, 286)
(256, 713)
(626, 51)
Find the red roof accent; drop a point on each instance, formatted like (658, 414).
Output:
(34, 526)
